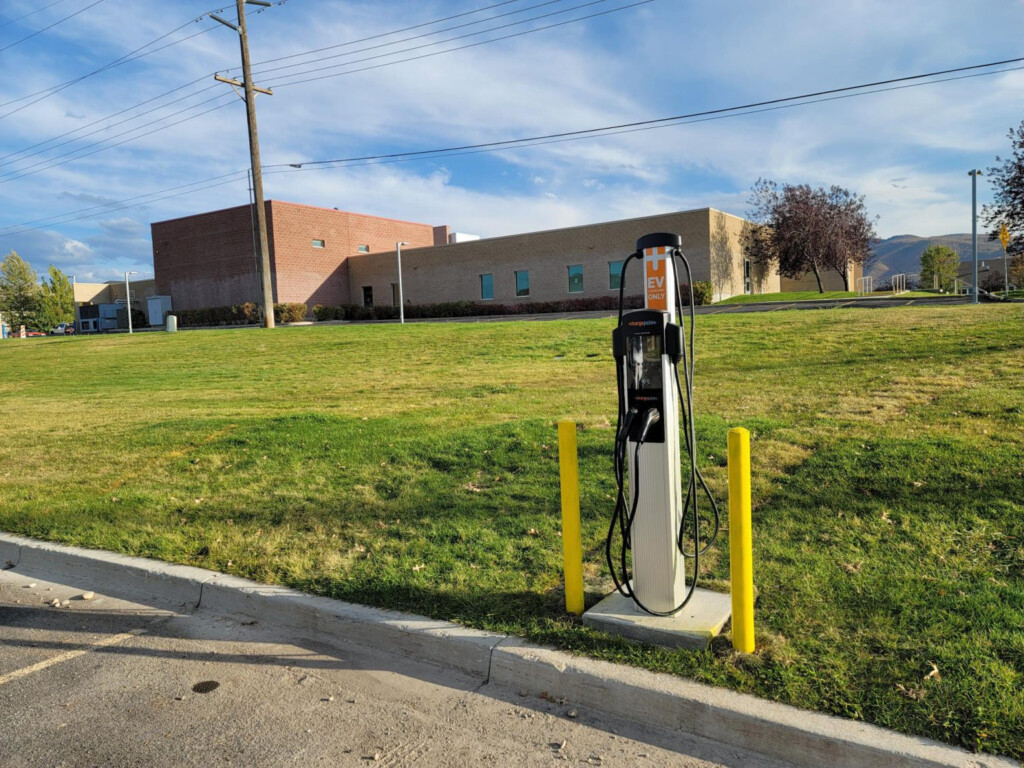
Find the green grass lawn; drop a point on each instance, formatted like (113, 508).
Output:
(415, 467)
(757, 298)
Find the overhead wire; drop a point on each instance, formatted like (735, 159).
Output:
(283, 83)
(42, 165)
(910, 81)
(381, 34)
(51, 26)
(42, 148)
(46, 93)
(31, 13)
(128, 57)
(260, 73)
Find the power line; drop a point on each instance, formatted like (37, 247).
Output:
(28, 170)
(708, 115)
(128, 57)
(25, 154)
(118, 62)
(407, 39)
(384, 34)
(14, 175)
(31, 13)
(133, 205)
(453, 39)
(705, 113)
(51, 26)
(63, 218)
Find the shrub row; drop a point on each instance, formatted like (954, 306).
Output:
(238, 314)
(248, 313)
(702, 294)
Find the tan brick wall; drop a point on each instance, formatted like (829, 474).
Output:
(452, 272)
(830, 280)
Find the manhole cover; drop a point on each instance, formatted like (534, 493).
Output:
(206, 686)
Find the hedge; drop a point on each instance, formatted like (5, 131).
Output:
(248, 314)
(238, 314)
(702, 294)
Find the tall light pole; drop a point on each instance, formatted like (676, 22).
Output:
(128, 298)
(401, 298)
(254, 152)
(974, 227)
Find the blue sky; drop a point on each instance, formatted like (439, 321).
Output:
(908, 150)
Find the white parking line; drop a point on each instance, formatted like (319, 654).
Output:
(68, 655)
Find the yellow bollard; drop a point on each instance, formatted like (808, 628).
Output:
(572, 546)
(740, 541)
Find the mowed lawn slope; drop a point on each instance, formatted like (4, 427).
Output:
(415, 467)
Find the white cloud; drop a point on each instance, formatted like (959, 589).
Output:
(663, 59)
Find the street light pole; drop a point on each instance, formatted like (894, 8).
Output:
(974, 227)
(401, 298)
(128, 298)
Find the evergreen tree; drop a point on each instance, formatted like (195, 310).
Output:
(19, 291)
(57, 300)
(939, 268)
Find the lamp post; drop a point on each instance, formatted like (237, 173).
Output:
(401, 298)
(128, 298)
(974, 227)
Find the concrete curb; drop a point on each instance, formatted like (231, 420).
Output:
(439, 642)
(796, 736)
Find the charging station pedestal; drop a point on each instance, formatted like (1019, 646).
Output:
(653, 457)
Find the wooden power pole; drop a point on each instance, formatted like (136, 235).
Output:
(263, 258)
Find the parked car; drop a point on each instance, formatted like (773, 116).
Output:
(62, 329)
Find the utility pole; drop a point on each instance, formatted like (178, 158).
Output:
(401, 298)
(263, 261)
(128, 298)
(974, 226)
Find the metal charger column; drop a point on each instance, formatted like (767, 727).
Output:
(659, 579)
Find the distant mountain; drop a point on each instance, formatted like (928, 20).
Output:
(902, 253)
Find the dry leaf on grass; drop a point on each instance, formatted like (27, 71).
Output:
(911, 693)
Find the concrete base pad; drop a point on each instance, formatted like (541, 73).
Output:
(693, 627)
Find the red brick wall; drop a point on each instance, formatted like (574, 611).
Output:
(207, 260)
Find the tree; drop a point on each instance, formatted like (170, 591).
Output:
(939, 267)
(19, 291)
(1017, 270)
(721, 258)
(57, 300)
(797, 229)
(1007, 181)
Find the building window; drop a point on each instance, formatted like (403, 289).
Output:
(363, 248)
(614, 275)
(747, 285)
(523, 283)
(394, 294)
(318, 243)
(486, 286)
(576, 278)
(367, 295)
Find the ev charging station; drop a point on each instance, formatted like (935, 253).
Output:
(657, 514)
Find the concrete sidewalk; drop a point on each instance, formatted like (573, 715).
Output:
(772, 730)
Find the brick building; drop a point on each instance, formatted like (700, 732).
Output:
(208, 260)
(331, 257)
(575, 262)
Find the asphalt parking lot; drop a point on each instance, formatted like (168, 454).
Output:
(105, 682)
